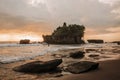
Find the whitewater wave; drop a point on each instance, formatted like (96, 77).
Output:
(16, 52)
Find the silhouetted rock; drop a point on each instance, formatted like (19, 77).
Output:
(118, 42)
(95, 41)
(25, 41)
(77, 54)
(67, 34)
(93, 55)
(81, 67)
(39, 66)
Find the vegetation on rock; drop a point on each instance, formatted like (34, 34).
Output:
(66, 34)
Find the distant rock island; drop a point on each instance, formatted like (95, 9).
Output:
(118, 42)
(25, 41)
(95, 41)
(66, 34)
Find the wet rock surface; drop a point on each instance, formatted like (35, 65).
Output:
(94, 55)
(83, 66)
(39, 66)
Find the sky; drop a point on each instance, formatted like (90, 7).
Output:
(30, 19)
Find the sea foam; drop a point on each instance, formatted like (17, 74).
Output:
(15, 52)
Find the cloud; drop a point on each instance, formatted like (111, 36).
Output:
(98, 16)
(106, 37)
(116, 10)
(111, 2)
(113, 29)
(88, 12)
(23, 8)
(16, 24)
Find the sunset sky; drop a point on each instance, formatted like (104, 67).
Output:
(29, 19)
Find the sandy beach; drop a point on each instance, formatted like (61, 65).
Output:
(108, 70)
(59, 40)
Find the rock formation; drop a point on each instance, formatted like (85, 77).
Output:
(95, 41)
(25, 41)
(83, 66)
(67, 34)
(39, 66)
(118, 42)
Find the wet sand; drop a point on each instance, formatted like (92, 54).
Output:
(108, 70)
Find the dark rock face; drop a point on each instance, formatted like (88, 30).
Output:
(118, 42)
(26, 41)
(38, 66)
(95, 41)
(81, 67)
(93, 55)
(78, 54)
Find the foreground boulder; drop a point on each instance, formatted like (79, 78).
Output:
(81, 67)
(38, 66)
(77, 54)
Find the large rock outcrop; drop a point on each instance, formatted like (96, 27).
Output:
(38, 66)
(67, 34)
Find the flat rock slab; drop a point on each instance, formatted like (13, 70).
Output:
(83, 66)
(38, 66)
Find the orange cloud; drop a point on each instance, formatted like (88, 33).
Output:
(95, 34)
(18, 36)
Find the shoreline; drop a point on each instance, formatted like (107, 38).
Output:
(8, 74)
(36, 51)
(108, 70)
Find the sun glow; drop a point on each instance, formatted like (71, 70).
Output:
(17, 37)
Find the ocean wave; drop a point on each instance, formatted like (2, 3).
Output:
(16, 52)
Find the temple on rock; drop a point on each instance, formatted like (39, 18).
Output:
(66, 34)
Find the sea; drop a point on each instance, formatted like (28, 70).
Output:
(12, 52)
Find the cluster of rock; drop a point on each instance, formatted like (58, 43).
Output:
(67, 34)
(39, 66)
(25, 41)
(95, 41)
(58, 64)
